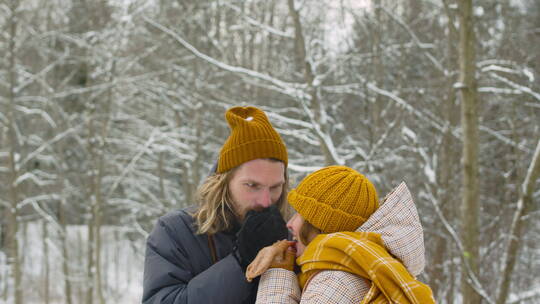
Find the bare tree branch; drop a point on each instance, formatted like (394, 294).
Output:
(258, 24)
(415, 39)
(293, 89)
(516, 86)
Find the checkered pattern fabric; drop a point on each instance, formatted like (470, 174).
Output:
(280, 286)
(363, 254)
(397, 222)
(350, 267)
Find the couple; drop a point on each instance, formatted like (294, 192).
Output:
(346, 248)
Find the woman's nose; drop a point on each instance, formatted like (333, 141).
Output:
(289, 225)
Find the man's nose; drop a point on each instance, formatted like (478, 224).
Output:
(265, 200)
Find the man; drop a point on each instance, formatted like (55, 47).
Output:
(200, 254)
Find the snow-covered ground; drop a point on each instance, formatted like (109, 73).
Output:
(121, 265)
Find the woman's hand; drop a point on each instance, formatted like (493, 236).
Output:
(279, 255)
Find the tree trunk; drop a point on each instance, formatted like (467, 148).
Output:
(65, 255)
(89, 285)
(452, 282)
(243, 34)
(269, 47)
(161, 175)
(4, 276)
(5, 279)
(196, 167)
(117, 259)
(106, 262)
(448, 156)
(377, 72)
(303, 64)
(94, 208)
(83, 288)
(46, 276)
(12, 248)
(516, 229)
(469, 123)
(97, 227)
(98, 193)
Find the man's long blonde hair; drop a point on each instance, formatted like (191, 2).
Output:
(215, 212)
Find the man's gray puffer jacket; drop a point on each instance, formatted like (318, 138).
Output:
(178, 266)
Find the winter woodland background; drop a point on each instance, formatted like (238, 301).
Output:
(111, 113)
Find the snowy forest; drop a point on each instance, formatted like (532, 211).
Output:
(111, 114)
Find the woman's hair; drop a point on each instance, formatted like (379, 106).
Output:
(307, 232)
(216, 212)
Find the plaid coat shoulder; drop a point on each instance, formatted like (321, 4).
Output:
(400, 228)
(280, 286)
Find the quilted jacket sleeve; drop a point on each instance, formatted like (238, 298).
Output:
(170, 276)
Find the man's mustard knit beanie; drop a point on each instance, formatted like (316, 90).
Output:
(335, 198)
(252, 136)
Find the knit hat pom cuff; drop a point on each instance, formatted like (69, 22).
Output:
(323, 216)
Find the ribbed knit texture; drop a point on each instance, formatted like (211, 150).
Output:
(252, 136)
(335, 198)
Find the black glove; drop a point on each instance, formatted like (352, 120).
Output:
(260, 229)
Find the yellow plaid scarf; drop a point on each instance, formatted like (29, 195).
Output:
(364, 254)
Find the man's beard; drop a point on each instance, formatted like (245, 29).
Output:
(242, 215)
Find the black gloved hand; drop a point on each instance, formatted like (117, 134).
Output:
(260, 229)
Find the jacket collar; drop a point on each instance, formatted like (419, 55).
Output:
(397, 221)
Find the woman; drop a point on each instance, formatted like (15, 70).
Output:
(349, 249)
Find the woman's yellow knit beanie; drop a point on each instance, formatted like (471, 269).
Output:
(335, 198)
(252, 136)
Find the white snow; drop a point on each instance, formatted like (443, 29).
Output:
(409, 133)
(121, 265)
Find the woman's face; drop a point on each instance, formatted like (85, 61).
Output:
(294, 225)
